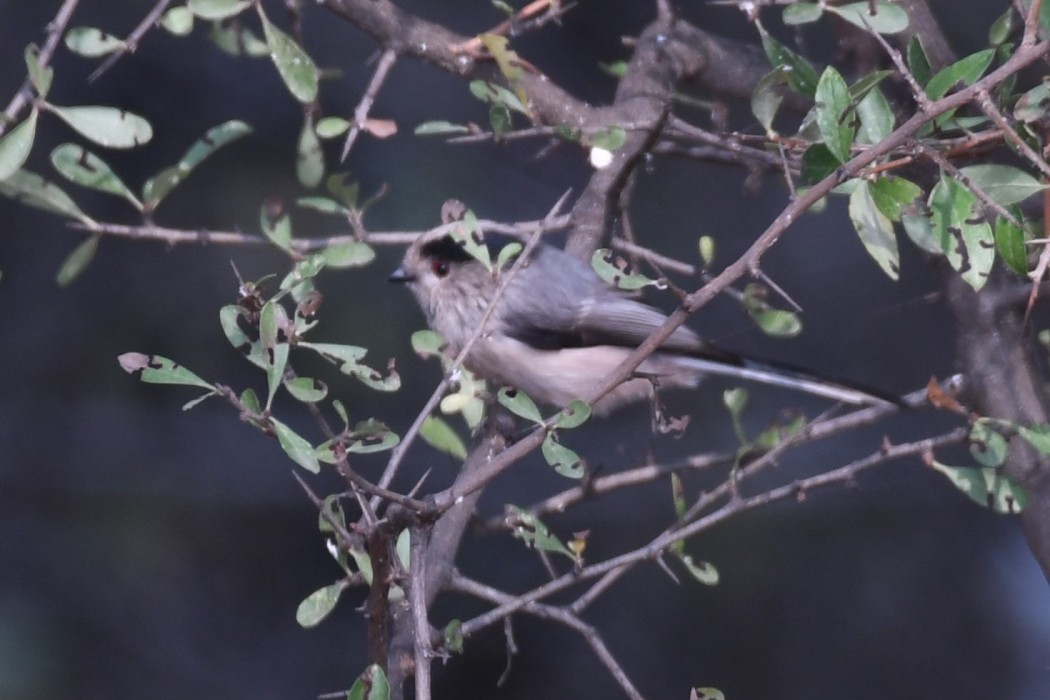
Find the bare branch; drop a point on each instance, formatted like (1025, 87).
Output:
(131, 44)
(55, 29)
(386, 63)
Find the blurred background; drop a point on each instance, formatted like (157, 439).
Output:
(145, 551)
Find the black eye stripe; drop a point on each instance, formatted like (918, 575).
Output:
(445, 248)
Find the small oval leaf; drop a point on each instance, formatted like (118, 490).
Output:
(106, 126)
(92, 42)
(16, 144)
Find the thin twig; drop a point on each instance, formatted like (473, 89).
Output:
(958, 175)
(386, 62)
(24, 96)
(654, 548)
(173, 236)
(554, 614)
(989, 108)
(131, 44)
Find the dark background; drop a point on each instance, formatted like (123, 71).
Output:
(149, 552)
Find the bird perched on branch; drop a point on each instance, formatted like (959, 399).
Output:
(558, 331)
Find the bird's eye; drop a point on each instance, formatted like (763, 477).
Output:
(439, 267)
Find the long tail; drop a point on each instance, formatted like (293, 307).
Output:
(789, 378)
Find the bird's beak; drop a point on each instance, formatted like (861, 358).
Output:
(399, 275)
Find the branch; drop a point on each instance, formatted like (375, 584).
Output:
(656, 547)
(24, 96)
(131, 44)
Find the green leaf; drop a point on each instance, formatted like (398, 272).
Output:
(323, 205)
(468, 234)
(309, 164)
(987, 445)
(1010, 242)
(340, 354)
(678, 498)
(453, 634)
(367, 437)
(439, 434)
(374, 379)
(500, 120)
(833, 117)
(1003, 27)
(251, 400)
(236, 39)
(81, 166)
(704, 572)
(508, 61)
(278, 230)
(707, 694)
(34, 191)
(519, 403)
(1004, 183)
(91, 42)
(440, 127)
(565, 461)
(155, 369)
(574, 415)
(528, 528)
(178, 21)
(865, 85)
(966, 71)
(959, 224)
(271, 323)
(817, 163)
(372, 685)
(893, 195)
(40, 76)
(106, 126)
(1038, 436)
(160, 185)
(613, 270)
(297, 69)
(778, 323)
(986, 487)
(874, 229)
(706, 247)
(331, 127)
(918, 63)
(888, 18)
(346, 191)
(371, 436)
(306, 389)
(333, 509)
(611, 139)
(77, 261)
(768, 95)
(876, 118)
(508, 253)
(735, 401)
(349, 254)
(319, 604)
(428, 343)
(801, 76)
(217, 9)
(1034, 104)
(802, 13)
(295, 446)
(16, 144)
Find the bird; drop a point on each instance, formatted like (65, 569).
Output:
(557, 331)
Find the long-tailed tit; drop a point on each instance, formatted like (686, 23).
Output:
(558, 330)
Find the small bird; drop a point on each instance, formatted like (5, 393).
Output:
(558, 330)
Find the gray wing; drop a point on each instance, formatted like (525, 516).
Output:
(558, 302)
